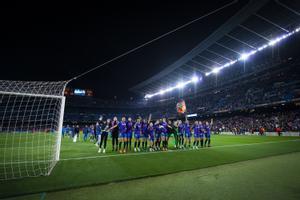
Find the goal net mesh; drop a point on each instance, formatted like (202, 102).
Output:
(31, 116)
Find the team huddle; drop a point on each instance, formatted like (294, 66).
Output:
(148, 135)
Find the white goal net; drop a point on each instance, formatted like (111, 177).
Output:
(31, 117)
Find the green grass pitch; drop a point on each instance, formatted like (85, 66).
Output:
(82, 167)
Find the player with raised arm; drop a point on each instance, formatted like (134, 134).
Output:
(151, 136)
(144, 134)
(157, 135)
(137, 135)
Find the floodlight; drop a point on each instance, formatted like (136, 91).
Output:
(148, 96)
(180, 85)
(216, 70)
(244, 56)
(195, 79)
(161, 92)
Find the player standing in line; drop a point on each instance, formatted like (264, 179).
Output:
(171, 129)
(207, 134)
(122, 135)
(137, 135)
(104, 135)
(144, 134)
(181, 133)
(151, 136)
(188, 134)
(114, 133)
(201, 133)
(129, 127)
(196, 135)
(175, 133)
(157, 135)
(164, 134)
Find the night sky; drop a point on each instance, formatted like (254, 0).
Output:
(58, 42)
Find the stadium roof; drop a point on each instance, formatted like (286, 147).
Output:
(253, 26)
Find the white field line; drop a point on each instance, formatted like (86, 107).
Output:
(155, 152)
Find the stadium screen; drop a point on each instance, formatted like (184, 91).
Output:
(79, 92)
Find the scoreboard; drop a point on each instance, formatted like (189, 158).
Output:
(78, 92)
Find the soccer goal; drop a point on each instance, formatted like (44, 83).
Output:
(31, 118)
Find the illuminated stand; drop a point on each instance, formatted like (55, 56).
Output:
(243, 57)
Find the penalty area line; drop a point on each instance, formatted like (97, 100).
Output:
(172, 151)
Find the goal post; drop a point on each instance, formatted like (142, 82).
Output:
(31, 120)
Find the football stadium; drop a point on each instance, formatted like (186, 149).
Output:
(151, 100)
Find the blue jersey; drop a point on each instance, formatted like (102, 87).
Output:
(151, 130)
(71, 130)
(122, 127)
(196, 130)
(92, 130)
(157, 131)
(207, 131)
(180, 129)
(138, 128)
(85, 130)
(163, 127)
(144, 127)
(129, 127)
(98, 129)
(187, 130)
(201, 131)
